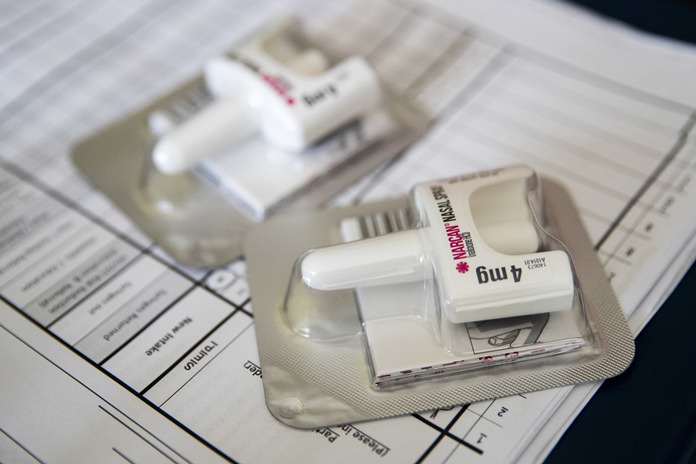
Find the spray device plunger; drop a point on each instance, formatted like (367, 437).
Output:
(480, 239)
(276, 86)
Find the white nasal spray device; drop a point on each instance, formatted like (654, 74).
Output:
(480, 238)
(276, 86)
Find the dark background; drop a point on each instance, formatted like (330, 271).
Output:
(648, 413)
(671, 18)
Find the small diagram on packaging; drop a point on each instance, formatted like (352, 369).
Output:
(506, 333)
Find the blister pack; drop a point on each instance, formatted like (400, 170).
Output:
(475, 287)
(276, 124)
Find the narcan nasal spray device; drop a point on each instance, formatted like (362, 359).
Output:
(479, 236)
(279, 123)
(276, 86)
(480, 286)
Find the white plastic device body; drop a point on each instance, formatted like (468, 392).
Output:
(276, 86)
(479, 236)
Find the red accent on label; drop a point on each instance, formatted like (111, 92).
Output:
(280, 88)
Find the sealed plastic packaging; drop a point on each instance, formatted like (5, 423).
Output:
(276, 124)
(477, 287)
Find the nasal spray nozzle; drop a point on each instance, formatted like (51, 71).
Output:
(480, 238)
(274, 85)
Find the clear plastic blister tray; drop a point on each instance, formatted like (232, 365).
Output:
(345, 336)
(199, 216)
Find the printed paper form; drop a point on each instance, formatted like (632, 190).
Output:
(499, 97)
(52, 399)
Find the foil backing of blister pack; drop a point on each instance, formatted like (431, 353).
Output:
(325, 378)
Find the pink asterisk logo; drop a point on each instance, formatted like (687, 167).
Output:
(462, 267)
